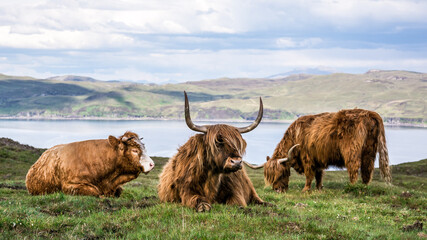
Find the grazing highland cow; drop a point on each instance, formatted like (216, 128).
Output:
(348, 138)
(208, 168)
(93, 167)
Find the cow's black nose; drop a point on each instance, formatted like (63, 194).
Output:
(236, 162)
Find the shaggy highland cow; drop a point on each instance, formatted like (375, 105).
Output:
(93, 167)
(208, 168)
(348, 138)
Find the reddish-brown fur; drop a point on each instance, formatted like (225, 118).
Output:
(348, 138)
(93, 167)
(201, 173)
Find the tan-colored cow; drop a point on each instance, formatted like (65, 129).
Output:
(93, 167)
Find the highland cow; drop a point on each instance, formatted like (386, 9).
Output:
(93, 167)
(348, 138)
(208, 168)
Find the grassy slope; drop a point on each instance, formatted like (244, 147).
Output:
(340, 211)
(394, 94)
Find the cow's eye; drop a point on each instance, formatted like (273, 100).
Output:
(219, 141)
(219, 144)
(134, 151)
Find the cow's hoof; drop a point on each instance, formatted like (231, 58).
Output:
(305, 189)
(118, 192)
(203, 207)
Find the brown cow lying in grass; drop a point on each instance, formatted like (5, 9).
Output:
(208, 168)
(93, 167)
(348, 138)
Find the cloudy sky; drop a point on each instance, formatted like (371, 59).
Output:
(184, 40)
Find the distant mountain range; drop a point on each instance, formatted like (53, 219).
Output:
(399, 96)
(311, 71)
(72, 78)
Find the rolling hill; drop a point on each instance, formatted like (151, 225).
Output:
(399, 96)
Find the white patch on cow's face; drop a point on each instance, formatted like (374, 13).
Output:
(145, 160)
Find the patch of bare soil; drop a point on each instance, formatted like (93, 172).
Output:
(263, 212)
(417, 226)
(406, 194)
(110, 206)
(14, 187)
(289, 227)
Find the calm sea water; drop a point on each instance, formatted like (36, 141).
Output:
(162, 138)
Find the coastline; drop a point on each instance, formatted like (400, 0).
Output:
(38, 118)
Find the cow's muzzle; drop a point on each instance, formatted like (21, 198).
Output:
(233, 164)
(147, 164)
(237, 163)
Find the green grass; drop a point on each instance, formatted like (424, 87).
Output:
(340, 211)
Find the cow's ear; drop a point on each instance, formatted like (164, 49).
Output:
(268, 158)
(114, 142)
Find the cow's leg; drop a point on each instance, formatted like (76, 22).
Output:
(319, 179)
(118, 192)
(202, 205)
(198, 202)
(81, 189)
(237, 200)
(115, 185)
(353, 174)
(255, 199)
(367, 168)
(353, 165)
(351, 151)
(309, 176)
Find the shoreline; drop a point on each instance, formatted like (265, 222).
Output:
(387, 124)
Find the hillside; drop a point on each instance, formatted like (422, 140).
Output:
(399, 96)
(339, 211)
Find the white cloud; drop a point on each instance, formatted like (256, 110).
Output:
(196, 39)
(201, 64)
(42, 21)
(52, 39)
(351, 13)
(287, 42)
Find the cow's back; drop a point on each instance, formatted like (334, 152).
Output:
(42, 178)
(73, 162)
(86, 160)
(332, 133)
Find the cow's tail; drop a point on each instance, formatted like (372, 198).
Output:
(383, 153)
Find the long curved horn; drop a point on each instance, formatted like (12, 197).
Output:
(289, 158)
(254, 166)
(257, 120)
(190, 123)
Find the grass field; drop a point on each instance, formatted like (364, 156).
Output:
(340, 211)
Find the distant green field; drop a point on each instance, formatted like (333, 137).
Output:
(340, 211)
(399, 97)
